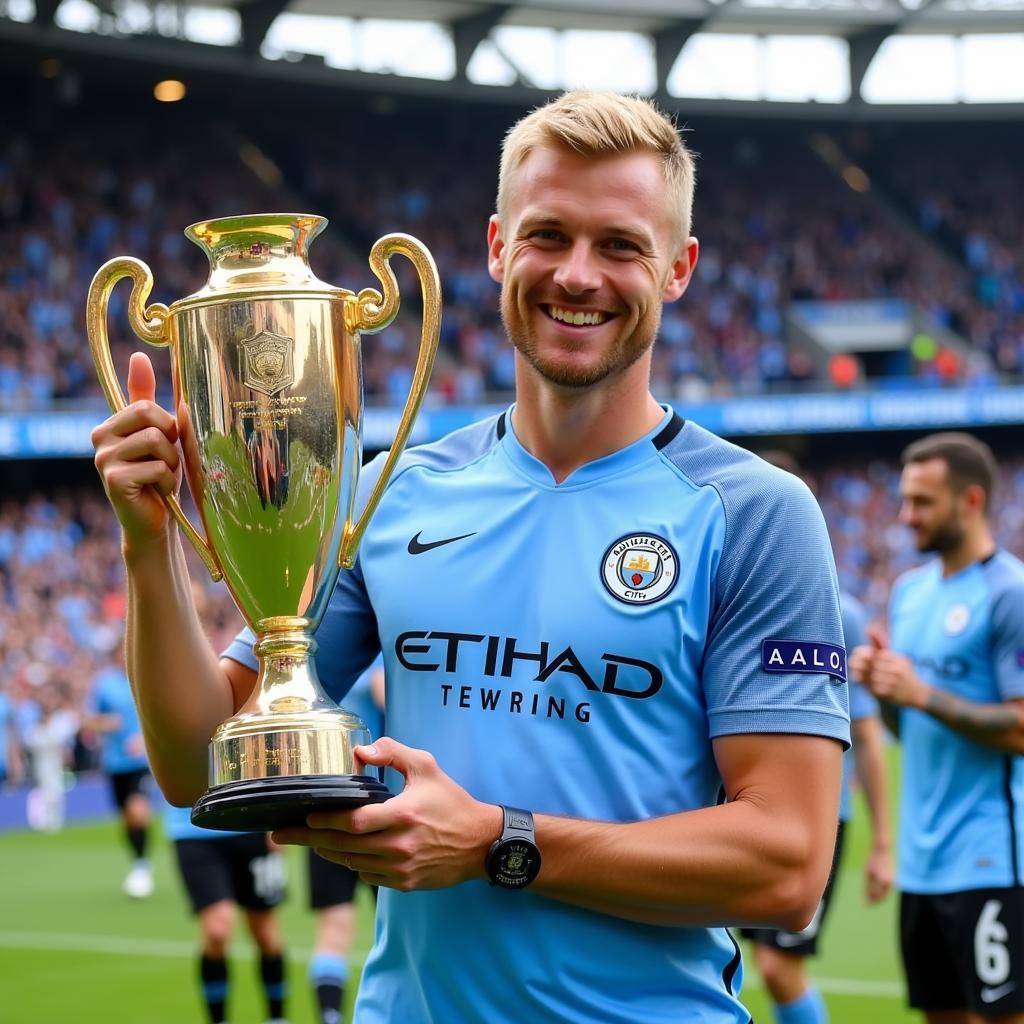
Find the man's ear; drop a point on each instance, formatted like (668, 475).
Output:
(682, 271)
(495, 250)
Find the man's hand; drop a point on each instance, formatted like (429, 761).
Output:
(888, 675)
(137, 457)
(878, 874)
(431, 836)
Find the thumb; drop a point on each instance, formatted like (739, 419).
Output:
(388, 753)
(141, 379)
(877, 637)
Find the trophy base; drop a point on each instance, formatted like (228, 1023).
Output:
(262, 805)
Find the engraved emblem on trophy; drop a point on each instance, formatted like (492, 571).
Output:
(267, 386)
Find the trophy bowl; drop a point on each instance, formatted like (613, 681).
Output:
(267, 386)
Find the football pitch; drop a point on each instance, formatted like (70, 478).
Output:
(73, 948)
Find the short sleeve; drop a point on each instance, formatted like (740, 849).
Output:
(775, 660)
(1008, 639)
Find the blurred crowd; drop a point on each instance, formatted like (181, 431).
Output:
(777, 224)
(62, 602)
(62, 615)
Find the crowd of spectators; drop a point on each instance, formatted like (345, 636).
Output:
(777, 224)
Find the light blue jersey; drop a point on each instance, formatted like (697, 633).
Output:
(574, 649)
(963, 803)
(121, 750)
(862, 703)
(6, 731)
(178, 825)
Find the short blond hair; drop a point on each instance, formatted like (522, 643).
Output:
(597, 124)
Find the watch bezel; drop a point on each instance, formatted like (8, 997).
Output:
(498, 871)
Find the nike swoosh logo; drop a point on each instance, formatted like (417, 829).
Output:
(417, 548)
(993, 995)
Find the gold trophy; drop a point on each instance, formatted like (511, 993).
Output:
(267, 379)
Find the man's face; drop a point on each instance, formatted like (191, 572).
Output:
(586, 254)
(930, 506)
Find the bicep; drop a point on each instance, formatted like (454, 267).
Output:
(794, 778)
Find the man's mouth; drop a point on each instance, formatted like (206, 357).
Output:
(576, 317)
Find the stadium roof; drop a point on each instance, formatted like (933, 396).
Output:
(840, 53)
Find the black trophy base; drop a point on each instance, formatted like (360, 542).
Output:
(262, 805)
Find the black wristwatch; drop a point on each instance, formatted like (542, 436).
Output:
(513, 860)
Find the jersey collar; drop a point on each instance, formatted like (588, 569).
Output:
(640, 451)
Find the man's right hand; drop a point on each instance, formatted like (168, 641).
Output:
(862, 658)
(137, 457)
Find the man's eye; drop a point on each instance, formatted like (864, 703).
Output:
(622, 245)
(547, 235)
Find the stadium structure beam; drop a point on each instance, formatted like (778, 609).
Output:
(863, 47)
(668, 43)
(469, 32)
(256, 18)
(46, 11)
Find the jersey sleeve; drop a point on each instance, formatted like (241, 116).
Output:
(347, 637)
(774, 660)
(1008, 638)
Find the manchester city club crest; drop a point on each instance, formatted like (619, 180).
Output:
(640, 568)
(956, 620)
(267, 363)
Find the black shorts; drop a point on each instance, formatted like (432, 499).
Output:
(126, 784)
(330, 884)
(802, 943)
(964, 950)
(237, 867)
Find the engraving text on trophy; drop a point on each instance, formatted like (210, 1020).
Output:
(267, 362)
(270, 414)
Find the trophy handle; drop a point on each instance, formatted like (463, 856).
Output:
(150, 324)
(370, 312)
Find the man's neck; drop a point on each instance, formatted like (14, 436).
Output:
(567, 428)
(975, 547)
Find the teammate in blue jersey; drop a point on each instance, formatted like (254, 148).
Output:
(220, 871)
(111, 713)
(332, 886)
(953, 670)
(781, 955)
(615, 672)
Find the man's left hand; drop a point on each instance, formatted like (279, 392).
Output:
(431, 836)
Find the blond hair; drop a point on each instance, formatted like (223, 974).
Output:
(597, 124)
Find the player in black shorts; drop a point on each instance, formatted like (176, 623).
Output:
(221, 871)
(332, 886)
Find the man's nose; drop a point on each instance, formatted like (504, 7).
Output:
(578, 271)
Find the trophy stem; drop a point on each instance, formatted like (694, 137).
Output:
(290, 749)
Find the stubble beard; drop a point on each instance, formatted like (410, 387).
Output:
(945, 539)
(623, 353)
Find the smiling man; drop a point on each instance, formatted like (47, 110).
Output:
(603, 767)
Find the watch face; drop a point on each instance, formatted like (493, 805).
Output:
(514, 863)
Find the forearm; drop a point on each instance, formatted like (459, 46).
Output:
(181, 692)
(869, 758)
(736, 863)
(997, 726)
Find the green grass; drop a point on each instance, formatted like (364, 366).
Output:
(73, 948)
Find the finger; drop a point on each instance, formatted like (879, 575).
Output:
(150, 443)
(297, 836)
(131, 475)
(877, 637)
(389, 753)
(363, 820)
(135, 417)
(141, 378)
